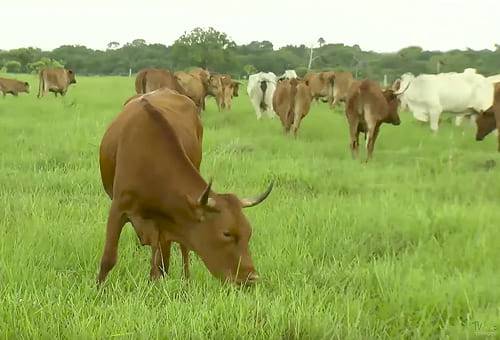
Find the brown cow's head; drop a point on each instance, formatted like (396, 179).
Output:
(236, 86)
(26, 87)
(485, 124)
(392, 104)
(222, 233)
(71, 76)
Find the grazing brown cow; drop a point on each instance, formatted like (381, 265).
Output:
(367, 108)
(56, 80)
(158, 188)
(190, 133)
(13, 86)
(490, 120)
(151, 79)
(291, 102)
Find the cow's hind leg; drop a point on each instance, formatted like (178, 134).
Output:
(116, 220)
(370, 143)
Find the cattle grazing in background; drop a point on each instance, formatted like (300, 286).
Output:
(193, 86)
(342, 81)
(368, 107)
(56, 80)
(13, 87)
(428, 95)
(321, 85)
(149, 161)
(490, 120)
(260, 89)
(289, 74)
(150, 79)
(291, 102)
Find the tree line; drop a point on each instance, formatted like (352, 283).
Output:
(216, 51)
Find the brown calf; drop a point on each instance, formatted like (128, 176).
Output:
(13, 87)
(367, 108)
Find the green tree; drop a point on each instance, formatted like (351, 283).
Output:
(249, 69)
(43, 63)
(13, 66)
(209, 49)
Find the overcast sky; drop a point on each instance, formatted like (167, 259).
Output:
(380, 25)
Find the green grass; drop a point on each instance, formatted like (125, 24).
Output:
(407, 246)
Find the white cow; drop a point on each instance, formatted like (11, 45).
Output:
(428, 95)
(494, 79)
(260, 89)
(289, 74)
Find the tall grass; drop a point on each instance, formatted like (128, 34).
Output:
(407, 246)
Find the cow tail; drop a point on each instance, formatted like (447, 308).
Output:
(144, 82)
(263, 87)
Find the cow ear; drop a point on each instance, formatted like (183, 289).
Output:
(70, 71)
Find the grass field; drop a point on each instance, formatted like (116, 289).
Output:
(407, 246)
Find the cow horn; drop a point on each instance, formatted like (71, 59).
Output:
(251, 202)
(398, 93)
(203, 200)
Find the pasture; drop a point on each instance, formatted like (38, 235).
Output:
(406, 246)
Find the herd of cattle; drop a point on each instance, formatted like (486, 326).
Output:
(150, 155)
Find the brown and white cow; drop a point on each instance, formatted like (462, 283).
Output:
(150, 167)
(13, 87)
(291, 102)
(367, 107)
(56, 80)
(150, 79)
(490, 120)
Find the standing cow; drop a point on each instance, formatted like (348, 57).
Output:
(150, 79)
(291, 102)
(260, 89)
(428, 95)
(367, 108)
(56, 80)
(13, 87)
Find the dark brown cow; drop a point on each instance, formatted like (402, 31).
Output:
(56, 80)
(367, 108)
(13, 87)
(291, 102)
(158, 188)
(490, 120)
(151, 79)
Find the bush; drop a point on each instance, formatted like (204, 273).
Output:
(43, 63)
(13, 66)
